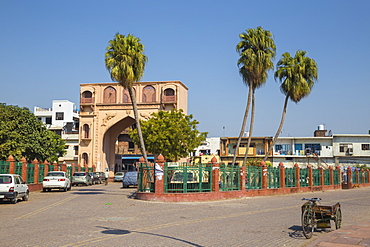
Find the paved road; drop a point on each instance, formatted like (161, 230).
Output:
(109, 216)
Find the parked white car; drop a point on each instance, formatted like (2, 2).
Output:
(12, 187)
(56, 180)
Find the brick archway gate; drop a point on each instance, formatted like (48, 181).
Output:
(106, 111)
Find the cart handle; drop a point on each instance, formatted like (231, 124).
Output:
(312, 199)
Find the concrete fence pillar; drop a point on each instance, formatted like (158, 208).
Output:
(297, 175)
(322, 177)
(24, 168)
(264, 175)
(64, 166)
(159, 179)
(282, 175)
(310, 177)
(11, 161)
(215, 175)
(331, 175)
(349, 178)
(242, 178)
(337, 168)
(56, 167)
(36, 163)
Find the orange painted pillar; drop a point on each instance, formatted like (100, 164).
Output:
(24, 169)
(331, 178)
(297, 175)
(159, 183)
(310, 177)
(242, 178)
(282, 175)
(349, 177)
(322, 178)
(11, 161)
(35, 162)
(264, 175)
(215, 175)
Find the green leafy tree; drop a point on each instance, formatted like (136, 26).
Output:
(170, 133)
(23, 135)
(257, 50)
(297, 76)
(125, 62)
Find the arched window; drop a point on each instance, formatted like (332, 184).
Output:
(87, 95)
(85, 159)
(126, 96)
(109, 95)
(169, 92)
(148, 94)
(86, 131)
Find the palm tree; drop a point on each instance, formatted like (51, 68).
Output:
(125, 62)
(257, 50)
(297, 76)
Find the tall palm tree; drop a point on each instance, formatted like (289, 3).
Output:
(257, 50)
(297, 76)
(125, 61)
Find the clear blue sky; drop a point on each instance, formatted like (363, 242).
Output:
(48, 48)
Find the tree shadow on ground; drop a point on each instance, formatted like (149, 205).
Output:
(115, 231)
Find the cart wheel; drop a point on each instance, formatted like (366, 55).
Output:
(338, 218)
(307, 223)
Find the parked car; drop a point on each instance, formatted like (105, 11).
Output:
(12, 187)
(100, 176)
(118, 176)
(81, 178)
(130, 179)
(56, 180)
(95, 178)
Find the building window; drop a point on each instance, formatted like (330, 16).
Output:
(313, 148)
(86, 131)
(148, 94)
(365, 146)
(48, 120)
(169, 92)
(109, 95)
(283, 149)
(126, 96)
(85, 159)
(87, 95)
(59, 116)
(76, 150)
(343, 148)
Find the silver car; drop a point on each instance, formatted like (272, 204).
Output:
(83, 178)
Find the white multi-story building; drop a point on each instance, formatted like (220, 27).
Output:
(63, 119)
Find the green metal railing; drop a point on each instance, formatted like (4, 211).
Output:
(41, 173)
(326, 177)
(30, 173)
(18, 168)
(316, 177)
(229, 177)
(366, 177)
(336, 178)
(4, 167)
(290, 178)
(354, 176)
(273, 177)
(146, 178)
(184, 178)
(303, 176)
(254, 177)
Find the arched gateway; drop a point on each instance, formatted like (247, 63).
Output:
(106, 111)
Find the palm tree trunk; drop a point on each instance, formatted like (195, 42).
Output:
(243, 124)
(134, 106)
(279, 129)
(250, 131)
